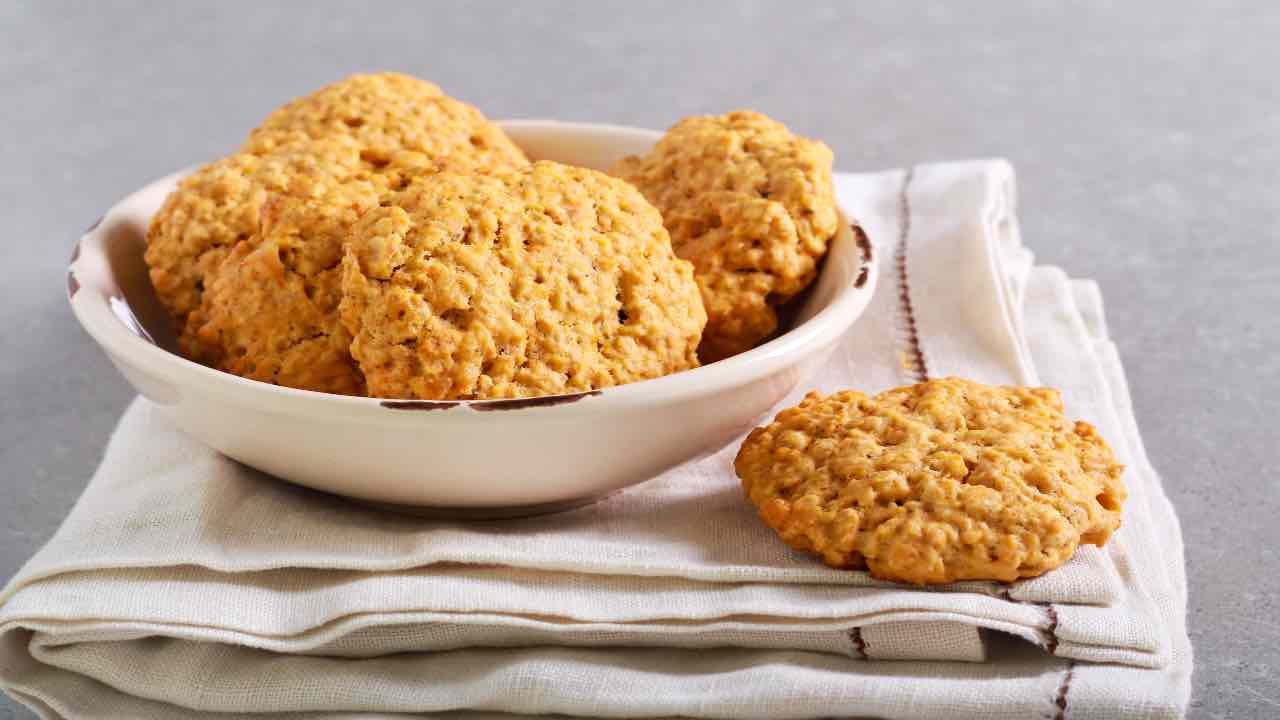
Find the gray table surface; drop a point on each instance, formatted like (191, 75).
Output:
(1147, 143)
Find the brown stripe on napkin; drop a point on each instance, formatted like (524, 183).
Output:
(913, 356)
(859, 643)
(1060, 701)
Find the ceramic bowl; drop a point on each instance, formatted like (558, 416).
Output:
(460, 458)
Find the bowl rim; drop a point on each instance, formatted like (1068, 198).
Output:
(113, 334)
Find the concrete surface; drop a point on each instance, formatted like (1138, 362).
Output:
(1147, 143)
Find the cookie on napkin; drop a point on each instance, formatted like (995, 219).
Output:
(941, 481)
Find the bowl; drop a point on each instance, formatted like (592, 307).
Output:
(465, 458)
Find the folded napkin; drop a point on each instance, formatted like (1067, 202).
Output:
(183, 584)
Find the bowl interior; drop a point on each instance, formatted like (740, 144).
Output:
(112, 261)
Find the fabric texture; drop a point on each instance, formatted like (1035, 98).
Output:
(184, 585)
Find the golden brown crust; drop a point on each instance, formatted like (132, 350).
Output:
(932, 483)
(385, 128)
(219, 205)
(387, 113)
(751, 206)
(540, 281)
(253, 225)
(266, 296)
(210, 211)
(270, 311)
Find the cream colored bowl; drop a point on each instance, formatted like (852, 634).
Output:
(460, 458)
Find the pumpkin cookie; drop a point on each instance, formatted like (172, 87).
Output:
(751, 206)
(545, 280)
(388, 113)
(937, 482)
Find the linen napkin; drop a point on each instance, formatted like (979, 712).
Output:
(183, 584)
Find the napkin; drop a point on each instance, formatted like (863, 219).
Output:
(183, 584)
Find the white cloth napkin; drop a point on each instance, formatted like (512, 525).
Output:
(184, 585)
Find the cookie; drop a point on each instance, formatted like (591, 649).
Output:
(385, 129)
(932, 483)
(751, 205)
(388, 113)
(218, 206)
(546, 280)
(270, 309)
(268, 296)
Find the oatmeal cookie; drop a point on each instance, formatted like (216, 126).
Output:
(539, 281)
(388, 113)
(270, 310)
(932, 483)
(267, 302)
(384, 129)
(751, 206)
(219, 205)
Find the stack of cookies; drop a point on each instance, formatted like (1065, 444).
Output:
(381, 238)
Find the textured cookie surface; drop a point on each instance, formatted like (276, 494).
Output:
(270, 310)
(384, 128)
(245, 252)
(266, 297)
(219, 205)
(242, 251)
(388, 113)
(937, 482)
(751, 205)
(540, 281)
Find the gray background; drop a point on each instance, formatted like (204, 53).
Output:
(1147, 143)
